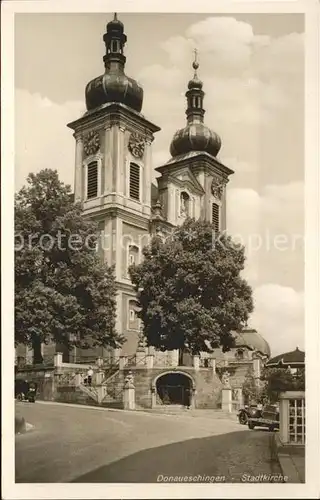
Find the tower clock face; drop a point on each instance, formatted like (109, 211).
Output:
(91, 143)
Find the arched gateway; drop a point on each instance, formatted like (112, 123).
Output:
(174, 388)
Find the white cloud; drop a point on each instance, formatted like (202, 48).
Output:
(42, 137)
(279, 317)
(271, 226)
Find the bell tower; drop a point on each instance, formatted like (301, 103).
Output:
(193, 181)
(113, 170)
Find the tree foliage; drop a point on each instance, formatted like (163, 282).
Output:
(63, 293)
(190, 291)
(250, 389)
(278, 380)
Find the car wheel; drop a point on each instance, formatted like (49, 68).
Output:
(19, 397)
(251, 426)
(243, 419)
(271, 428)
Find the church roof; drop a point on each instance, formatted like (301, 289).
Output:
(114, 85)
(292, 358)
(253, 340)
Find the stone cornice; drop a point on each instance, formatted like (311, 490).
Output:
(138, 220)
(126, 287)
(115, 114)
(198, 162)
(192, 183)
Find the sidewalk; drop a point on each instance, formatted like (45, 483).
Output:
(291, 460)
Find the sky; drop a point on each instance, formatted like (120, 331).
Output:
(252, 68)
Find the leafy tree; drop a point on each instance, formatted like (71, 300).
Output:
(190, 291)
(63, 293)
(250, 389)
(281, 379)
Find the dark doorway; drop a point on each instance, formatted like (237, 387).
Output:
(174, 389)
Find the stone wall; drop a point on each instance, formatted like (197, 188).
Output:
(44, 377)
(206, 382)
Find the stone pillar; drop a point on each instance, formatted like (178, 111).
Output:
(175, 357)
(226, 400)
(149, 361)
(196, 362)
(129, 393)
(115, 157)
(284, 420)
(98, 377)
(108, 151)
(57, 360)
(121, 175)
(223, 211)
(153, 397)
(99, 362)
(78, 183)
(213, 365)
(123, 362)
(147, 169)
(257, 369)
(171, 205)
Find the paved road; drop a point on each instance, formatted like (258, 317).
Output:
(81, 444)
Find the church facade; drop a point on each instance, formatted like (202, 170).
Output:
(113, 180)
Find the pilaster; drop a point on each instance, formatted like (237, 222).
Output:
(78, 176)
(107, 164)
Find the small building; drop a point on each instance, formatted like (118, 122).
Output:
(293, 360)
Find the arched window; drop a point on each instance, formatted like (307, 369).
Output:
(133, 320)
(216, 217)
(134, 181)
(240, 354)
(92, 180)
(184, 204)
(114, 46)
(133, 255)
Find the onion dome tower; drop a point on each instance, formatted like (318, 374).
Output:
(114, 85)
(196, 136)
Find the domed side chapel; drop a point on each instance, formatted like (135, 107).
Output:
(113, 179)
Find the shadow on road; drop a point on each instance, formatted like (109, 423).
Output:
(231, 455)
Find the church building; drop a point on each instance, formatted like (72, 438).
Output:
(113, 179)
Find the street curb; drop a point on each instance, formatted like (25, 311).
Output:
(132, 412)
(278, 453)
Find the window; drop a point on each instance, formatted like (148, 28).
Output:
(215, 217)
(184, 204)
(133, 316)
(134, 181)
(133, 254)
(92, 180)
(239, 354)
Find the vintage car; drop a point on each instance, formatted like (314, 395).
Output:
(248, 411)
(269, 418)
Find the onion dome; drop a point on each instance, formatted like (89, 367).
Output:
(253, 340)
(294, 359)
(114, 85)
(196, 136)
